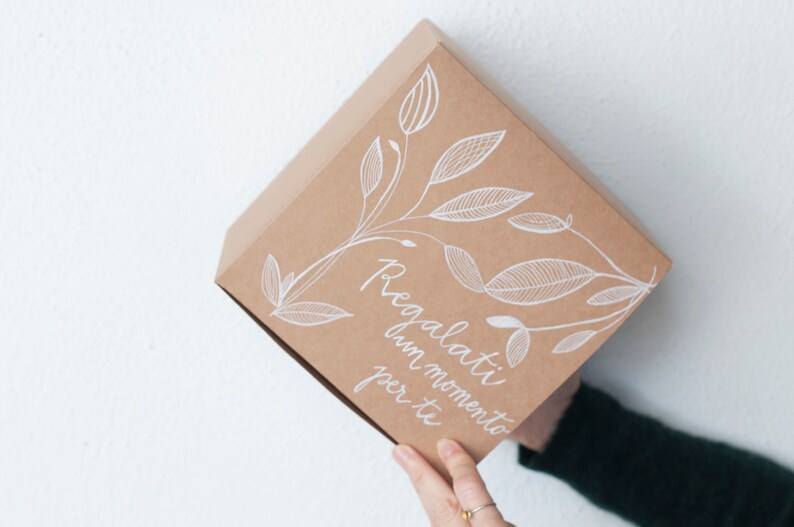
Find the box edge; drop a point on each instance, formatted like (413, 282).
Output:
(554, 144)
(328, 385)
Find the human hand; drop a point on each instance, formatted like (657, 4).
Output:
(537, 430)
(446, 506)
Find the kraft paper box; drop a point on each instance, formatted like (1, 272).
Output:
(434, 258)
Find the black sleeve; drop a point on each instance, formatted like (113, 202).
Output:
(653, 475)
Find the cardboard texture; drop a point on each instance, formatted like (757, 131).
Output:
(435, 257)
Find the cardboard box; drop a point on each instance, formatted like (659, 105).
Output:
(434, 257)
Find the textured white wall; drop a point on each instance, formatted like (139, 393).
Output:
(134, 392)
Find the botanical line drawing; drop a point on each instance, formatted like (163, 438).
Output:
(527, 283)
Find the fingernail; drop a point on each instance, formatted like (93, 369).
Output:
(446, 448)
(401, 454)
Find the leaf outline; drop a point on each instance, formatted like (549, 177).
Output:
(540, 222)
(517, 347)
(574, 341)
(271, 280)
(504, 322)
(463, 268)
(613, 295)
(309, 313)
(539, 281)
(479, 204)
(371, 170)
(286, 285)
(420, 104)
(465, 155)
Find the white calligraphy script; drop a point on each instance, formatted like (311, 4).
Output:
(478, 364)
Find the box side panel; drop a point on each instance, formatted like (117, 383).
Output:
(313, 371)
(524, 115)
(327, 142)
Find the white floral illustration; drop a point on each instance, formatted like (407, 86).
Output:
(527, 283)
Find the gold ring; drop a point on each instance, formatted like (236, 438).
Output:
(468, 514)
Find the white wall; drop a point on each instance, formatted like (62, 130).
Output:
(134, 392)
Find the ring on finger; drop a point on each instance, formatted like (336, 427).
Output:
(467, 515)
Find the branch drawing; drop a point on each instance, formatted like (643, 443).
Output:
(526, 283)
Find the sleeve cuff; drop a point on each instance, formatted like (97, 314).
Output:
(591, 411)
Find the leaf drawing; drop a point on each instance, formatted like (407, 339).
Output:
(540, 222)
(463, 268)
(538, 281)
(613, 295)
(465, 155)
(371, 167)
(310, 313)
(271, 280)
(479, 204)
(524, 284)
(505, 322)
(286, 285)
(574, 341)
(517, 347)
(419, 106)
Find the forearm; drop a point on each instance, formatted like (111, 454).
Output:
(656, 476)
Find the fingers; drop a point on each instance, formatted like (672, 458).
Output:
(467, 483)
(437, 497)
(444, 505)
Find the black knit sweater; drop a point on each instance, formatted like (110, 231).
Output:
(655, 476)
